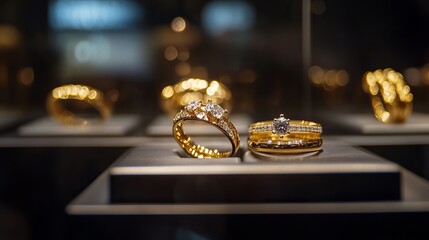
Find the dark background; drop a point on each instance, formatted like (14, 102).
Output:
(262, 65)
(352, 36)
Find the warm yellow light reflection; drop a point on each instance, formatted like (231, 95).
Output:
(214, 87)
(178, 24)
(170, 53)
(167, 92)
(189, 97)
(180, 94)
(92, 94)
(391, 97)
(328, 79)
(80, 92)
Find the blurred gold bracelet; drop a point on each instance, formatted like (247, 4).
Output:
(391, 98)
(175, 97)
(57, 97)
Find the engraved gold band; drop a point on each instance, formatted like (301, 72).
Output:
(391, 98)
(92, 96)
(288, 145)
(285, 136)
(209, 113)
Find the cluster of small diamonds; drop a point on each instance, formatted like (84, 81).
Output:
(293, 128)
(260, 128)
(226, 127)
(202, 111)
(301, 128)
(181, 114)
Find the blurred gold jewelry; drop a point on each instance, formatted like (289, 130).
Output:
(210, 113)
(391, 98)
(175, 97)
(92, 96)
(285, 136)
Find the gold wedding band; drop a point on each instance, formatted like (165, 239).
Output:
(287, 145)
(285, 136)
(56, 99)
(175, 97)
(210, 113)
(391, 98)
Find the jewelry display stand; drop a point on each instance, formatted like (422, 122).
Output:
(158, 174)
(96, 199)
(417, 123)
(161, 126)
(117, 125)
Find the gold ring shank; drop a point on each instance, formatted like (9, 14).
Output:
(285, 146)
(92, 96)
(198, 151)
(275, 137)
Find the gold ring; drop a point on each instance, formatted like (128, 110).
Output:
(282, 126)
(285, 136)
(210, 113)
(391, 98)
(288, 145)
(175, 97)
(58, 96)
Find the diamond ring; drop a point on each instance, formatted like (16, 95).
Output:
(282, 126)
(282, 135)
(210, 113)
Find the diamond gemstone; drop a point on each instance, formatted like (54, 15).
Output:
(184, 114)
(216, 110)
(281, 126)
(223, 125)
(193, 105)
(202, 115)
